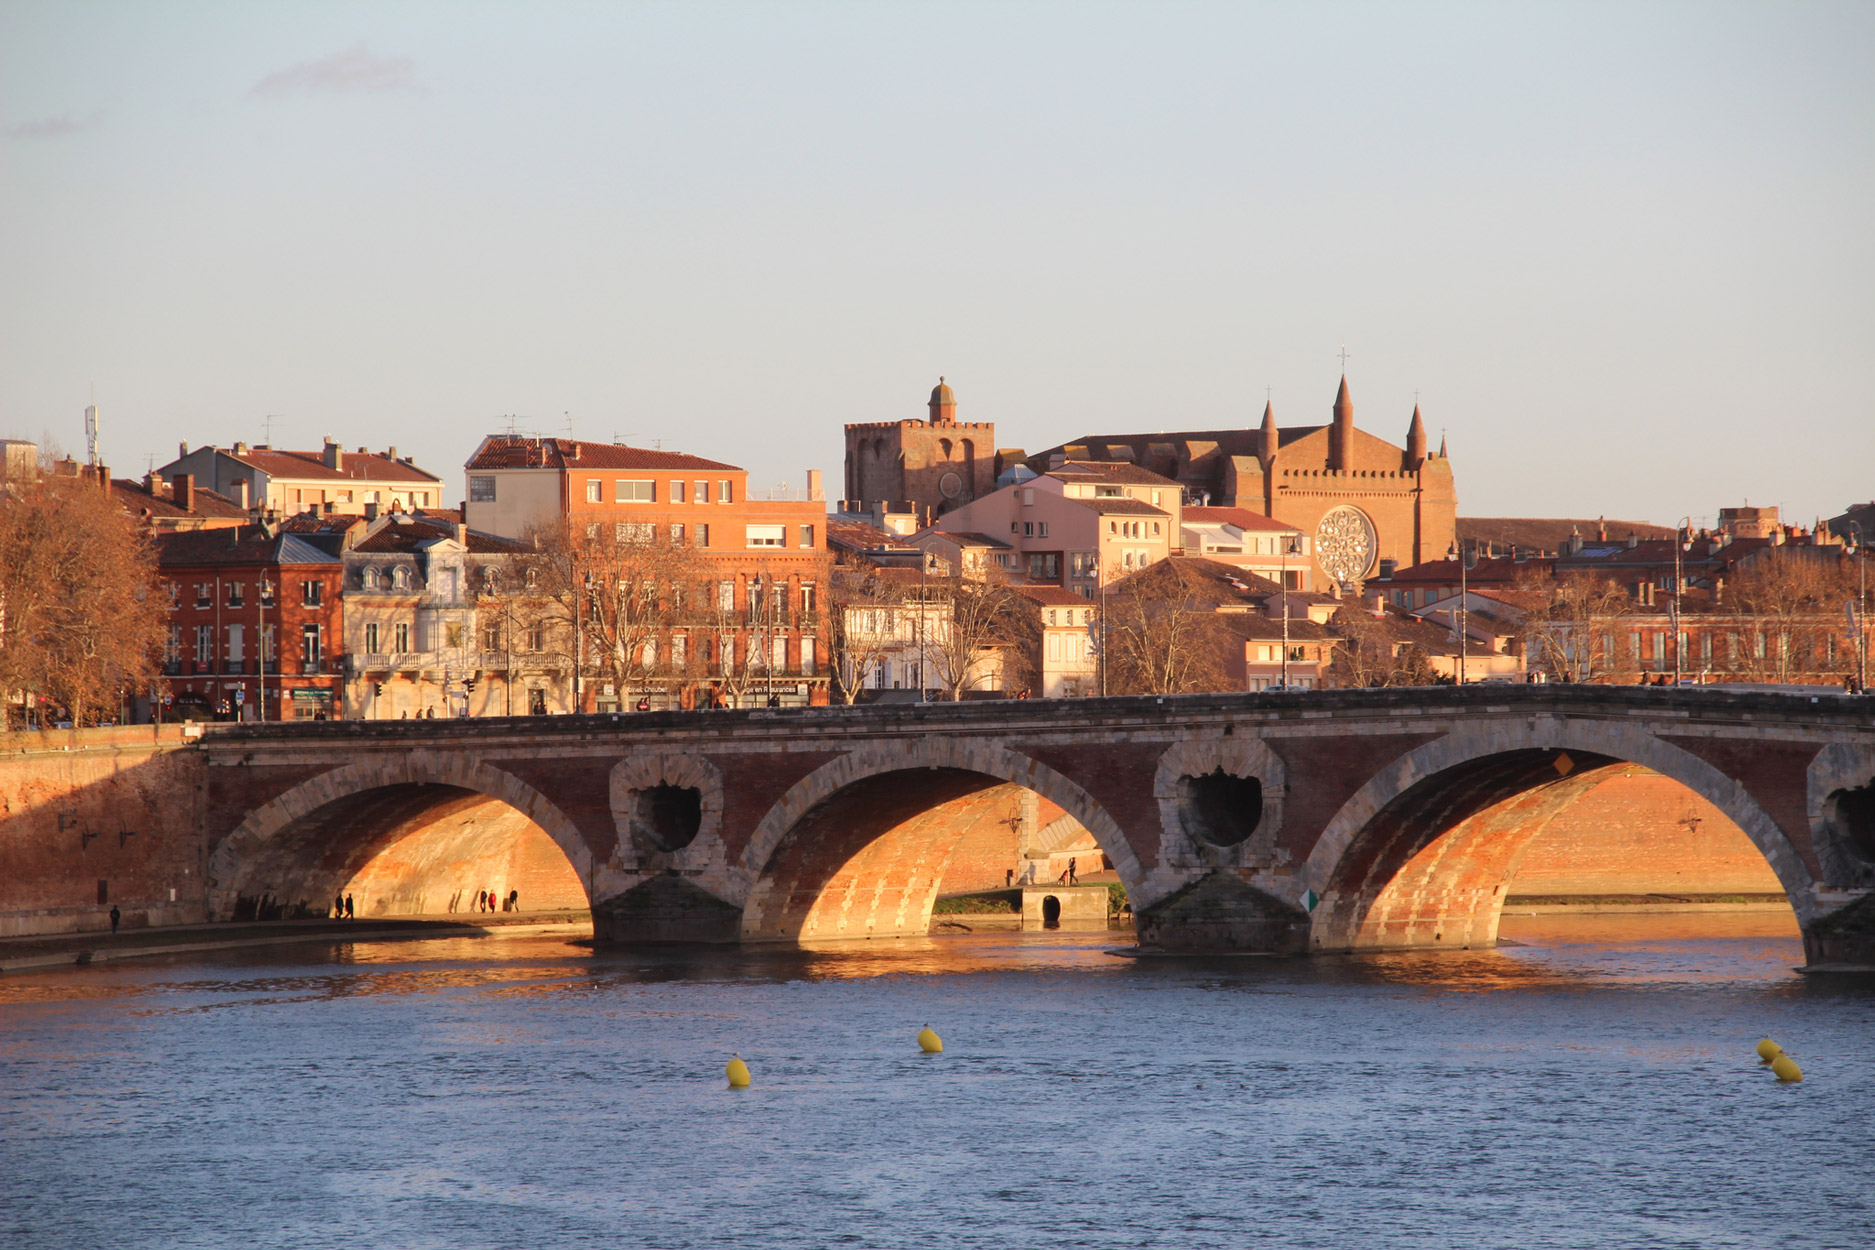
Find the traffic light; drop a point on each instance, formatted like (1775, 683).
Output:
(468, 684)
(377, 689)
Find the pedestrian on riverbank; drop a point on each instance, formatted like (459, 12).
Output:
(116, 917)
(338, 907)
(1071, 866)
(514, 900)
(349, 913)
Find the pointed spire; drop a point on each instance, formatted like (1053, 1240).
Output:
(1415, 440)
(1267, 441)
(1341, 433)
(1441, 444)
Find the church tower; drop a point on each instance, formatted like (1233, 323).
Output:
(1341, 433)
(943, 405)
(1415, 441)
(927, 467)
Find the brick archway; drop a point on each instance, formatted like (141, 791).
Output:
(883, 812)
(412, 783)
(1420, 855)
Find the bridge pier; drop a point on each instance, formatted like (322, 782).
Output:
(1842, 938)
(665, 908)
(1222, 913)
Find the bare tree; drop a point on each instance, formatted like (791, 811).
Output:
(1785, 609)
(1163, 634)
(614, 590)
(970, 622)
(867, 611)
(1571, 622)
(80, 624)
(1373, 652)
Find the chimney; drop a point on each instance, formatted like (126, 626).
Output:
(813, 486)
(182, 492)
(153, 483)
(462, 533)
(182, 449)
(240, 449)
(104, 477)
(371, 510)
(1634, 540)
(391, 454)
(241, 487)
(334, 456)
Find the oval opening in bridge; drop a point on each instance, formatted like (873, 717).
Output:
(670, 815)
(1051, 912)
(1220, 809)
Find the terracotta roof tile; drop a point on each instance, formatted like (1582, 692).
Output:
(505, 452)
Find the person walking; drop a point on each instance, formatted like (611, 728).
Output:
(1071, 864)
(338, 907)
(350, 914)
(514, 900)
(116, 917)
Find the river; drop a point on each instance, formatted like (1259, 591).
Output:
(1592, 1086)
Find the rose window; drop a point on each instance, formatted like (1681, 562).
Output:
(1344, 543)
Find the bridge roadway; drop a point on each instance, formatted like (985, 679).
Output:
(1399, 813)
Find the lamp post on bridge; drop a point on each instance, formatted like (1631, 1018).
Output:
(1682, 542)
(1858, 551)
(1454, 553)
(1290, 548)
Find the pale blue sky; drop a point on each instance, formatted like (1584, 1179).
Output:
(1625, 251)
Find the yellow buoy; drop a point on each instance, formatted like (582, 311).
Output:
(929, 1041)
(1786, 1068)
(738, 1072)
(1769, 1050)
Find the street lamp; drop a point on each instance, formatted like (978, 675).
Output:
(1682, 542)
(1291, 548)
(1858, 551)
(1453, 553)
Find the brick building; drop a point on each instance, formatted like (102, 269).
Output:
(930, 466)
(1359, 498)
(254, 624)
(757, 623)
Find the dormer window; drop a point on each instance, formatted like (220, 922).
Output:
(400, 579)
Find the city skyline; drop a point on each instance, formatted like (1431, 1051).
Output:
(1613, 254)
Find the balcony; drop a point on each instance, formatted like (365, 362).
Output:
(234, 667)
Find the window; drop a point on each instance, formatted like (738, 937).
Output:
(309, 639)
(595, 490)
(807, 536)
(1083, 563)
(1044, 566)
(726, 596)
(312, 594)
(536, 638)
(678, 644)
(780, 653)
(172, 649)
(1014, 528)
(1054, 646)
(677, 535)
(204, 595)
(592, 531)
(175, 595)
(452, 634)
(703, 535)
(1155, 529)
(807, 597)
(722, 492)
(345, 496)
(236, 591)
(204, 643)
(371, 638)
(1108, 492)
(677, 492)
(808, 657)
(1028, 529)
(1041, 529)
(266, 644)
(635, 531)
(402, 633)
(632, 490)
(702, 492)
(767, 535)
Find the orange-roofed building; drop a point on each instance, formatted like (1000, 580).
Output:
(329, 481)
(753, 549)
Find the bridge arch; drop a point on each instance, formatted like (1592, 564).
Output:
(1422, 854)
(857, 847)
(304, 843)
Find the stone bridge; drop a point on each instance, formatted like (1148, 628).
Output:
(1308, 822)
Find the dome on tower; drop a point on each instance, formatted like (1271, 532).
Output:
(941, 394)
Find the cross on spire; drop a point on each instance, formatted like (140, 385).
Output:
(1344, 358)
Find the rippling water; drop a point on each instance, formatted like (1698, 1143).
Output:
(1593, 1087)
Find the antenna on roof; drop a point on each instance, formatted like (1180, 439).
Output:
(567, 420)
(91, 431)
(618, 440)
(267, 422)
